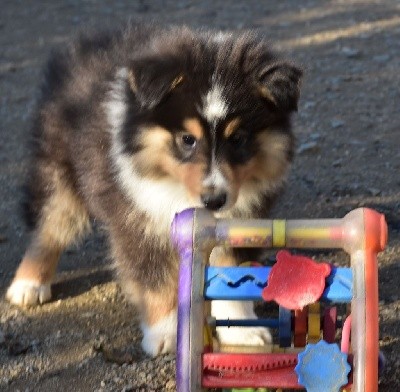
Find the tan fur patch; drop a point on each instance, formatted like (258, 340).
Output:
(41, 268)
(152, 305)
(63, 220)
(264, 92)
(191, 175)
(231, 127)
(176, 82)
(273, 160)
(132, 81)
(234, 180)
(269, 165)
(156, 161)
(193, 126)
(159, 304)
(222, 257)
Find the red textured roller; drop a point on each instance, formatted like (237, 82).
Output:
(249, 370)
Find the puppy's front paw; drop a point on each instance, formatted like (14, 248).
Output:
(246, 336)
(249, 336)
(24, 292)
(160, 338)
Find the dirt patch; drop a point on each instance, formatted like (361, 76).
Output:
(348, 156)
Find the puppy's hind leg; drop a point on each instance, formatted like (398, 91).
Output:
(60, 219)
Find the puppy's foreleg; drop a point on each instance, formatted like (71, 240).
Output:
(62, 218)
(158, 316)
(32, 281)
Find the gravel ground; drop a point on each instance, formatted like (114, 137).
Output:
(348, 156)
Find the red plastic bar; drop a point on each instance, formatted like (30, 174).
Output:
(375, 241)
(221, 370)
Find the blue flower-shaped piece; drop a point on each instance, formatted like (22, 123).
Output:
(322, 367)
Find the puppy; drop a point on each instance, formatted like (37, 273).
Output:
(136, 125)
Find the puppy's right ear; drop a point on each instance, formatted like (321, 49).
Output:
(152, 79)
(279, 83)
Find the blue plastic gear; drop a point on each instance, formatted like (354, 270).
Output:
(322, 367)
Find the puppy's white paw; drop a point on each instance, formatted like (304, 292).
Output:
(249, 336)
(24, 292)
(246, 336)
(160, 338)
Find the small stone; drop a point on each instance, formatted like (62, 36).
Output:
(351, 53)
(309, 104)
(308, 147)
(83, 363)
(315, 136)
(142, 376)
(170, 385)
(337, 163)
(383, 58)
(374, 191)
(337, 123)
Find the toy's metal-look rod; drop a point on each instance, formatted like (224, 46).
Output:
(362, 233)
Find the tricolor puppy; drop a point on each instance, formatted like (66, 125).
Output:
(137, 125)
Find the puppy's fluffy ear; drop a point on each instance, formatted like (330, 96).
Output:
(279, 83)
(152, 79)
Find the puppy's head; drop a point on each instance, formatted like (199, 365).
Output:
(212, 113)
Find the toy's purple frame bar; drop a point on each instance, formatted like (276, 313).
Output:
(182, 236)
(193, 232)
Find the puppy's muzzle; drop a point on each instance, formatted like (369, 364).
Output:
(214, 201)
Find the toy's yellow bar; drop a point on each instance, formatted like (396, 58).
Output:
(265, 232)
(309, 233)
(281, 233)
(252, 236)
(278, 233)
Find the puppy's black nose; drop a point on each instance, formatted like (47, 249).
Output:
(214, 201)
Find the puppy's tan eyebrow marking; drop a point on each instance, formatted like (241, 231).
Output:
(176, 82)
(193, 126)
(231, 127)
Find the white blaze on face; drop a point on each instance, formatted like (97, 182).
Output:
(215, 106)
(215, 179)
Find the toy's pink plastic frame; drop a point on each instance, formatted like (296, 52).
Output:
(362, 233)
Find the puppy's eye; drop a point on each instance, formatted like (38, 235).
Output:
(239, 139)
(188, 141)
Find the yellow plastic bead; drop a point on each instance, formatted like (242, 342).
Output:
(314, 323)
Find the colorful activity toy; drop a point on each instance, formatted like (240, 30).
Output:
(309, 296)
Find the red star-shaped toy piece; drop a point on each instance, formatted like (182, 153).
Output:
(295, 281)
